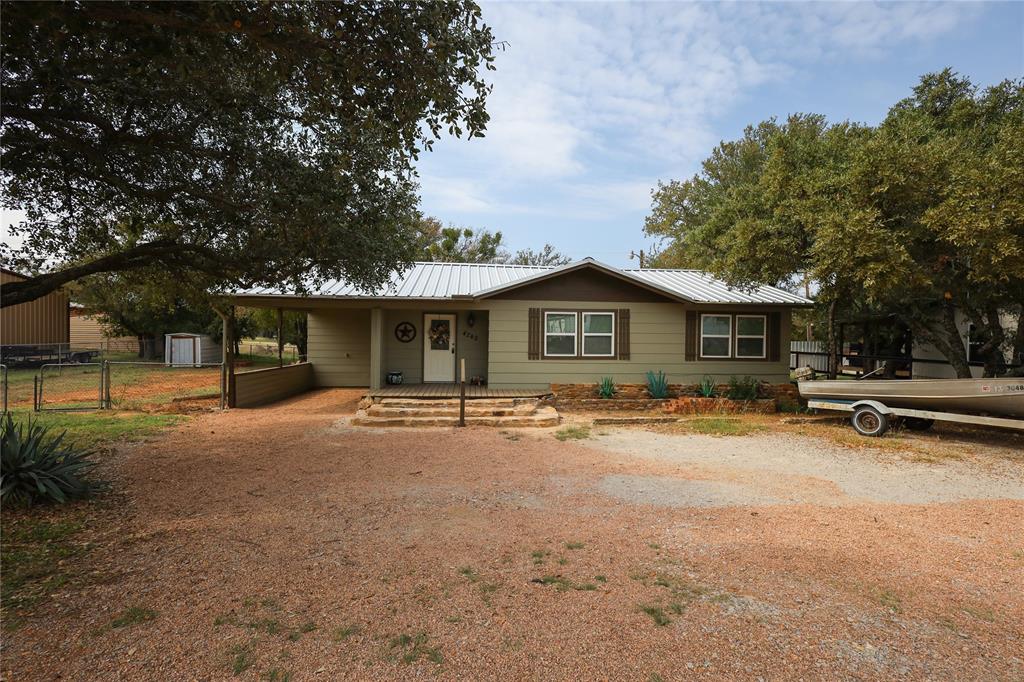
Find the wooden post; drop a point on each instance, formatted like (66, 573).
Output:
(280, 338)
(462, 392)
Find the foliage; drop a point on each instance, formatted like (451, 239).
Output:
(96, 430)
(230, 143)
(263, 322)
(657, 384)
(38, 467)
(606, 387)
(546, 256)
(706, 387)
(920, 217)
(459, 244)
(744, 388)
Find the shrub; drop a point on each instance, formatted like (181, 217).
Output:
(657, 384)
(606, 388)
(706, 387)
(742, 389)
(36, 466)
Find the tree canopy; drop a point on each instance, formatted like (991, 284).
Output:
(454, 244)
(230, 143)
(919, 217)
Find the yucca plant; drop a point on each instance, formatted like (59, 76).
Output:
(606, 388)
(706, 387)
(657, 384)
(36, 466)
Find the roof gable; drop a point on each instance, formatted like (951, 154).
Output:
(586, 280)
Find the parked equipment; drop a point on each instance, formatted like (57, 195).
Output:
(921, 402)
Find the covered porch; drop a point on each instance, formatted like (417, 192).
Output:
(451, 390)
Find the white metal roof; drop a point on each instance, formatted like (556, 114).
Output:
(434, 281)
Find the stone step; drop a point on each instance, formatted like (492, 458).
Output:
(444, 402)
(544, 416)
(471, 410)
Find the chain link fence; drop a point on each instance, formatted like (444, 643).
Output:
(3, 387)
(155, 386)
(70, 387)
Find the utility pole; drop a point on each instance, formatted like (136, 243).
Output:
(640, 256)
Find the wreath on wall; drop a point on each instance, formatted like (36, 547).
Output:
(405, 332)
(440, 334)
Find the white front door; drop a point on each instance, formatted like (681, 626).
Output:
(438, 347)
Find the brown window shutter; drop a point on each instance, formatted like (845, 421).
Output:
(535, 340)
(774, 336)
(622, 333)
(691, 336)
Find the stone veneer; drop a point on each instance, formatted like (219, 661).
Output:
(682, 399)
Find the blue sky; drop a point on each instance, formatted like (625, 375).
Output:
(593, 103)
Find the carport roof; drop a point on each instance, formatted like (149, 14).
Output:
(446, 281)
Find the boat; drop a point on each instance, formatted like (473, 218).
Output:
(1003, 396)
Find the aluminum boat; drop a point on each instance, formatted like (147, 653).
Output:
(1003, 397)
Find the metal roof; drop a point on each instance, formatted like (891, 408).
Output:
(433, 281)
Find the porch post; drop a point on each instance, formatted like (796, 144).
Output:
(376, 347)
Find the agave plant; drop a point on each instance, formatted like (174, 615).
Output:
(706, 387)
(657, 384)
(606, 388)
(36, 465)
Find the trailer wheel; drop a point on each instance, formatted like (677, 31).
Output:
(869, 422)
(918, 423)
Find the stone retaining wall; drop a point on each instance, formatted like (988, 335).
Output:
(682, 399)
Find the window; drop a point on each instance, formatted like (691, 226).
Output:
(598, 329)
(750, 336)
(560, 334)
(715, 336)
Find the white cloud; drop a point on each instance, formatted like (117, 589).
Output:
(587, 93)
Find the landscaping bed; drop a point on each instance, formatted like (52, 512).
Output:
(681, 398)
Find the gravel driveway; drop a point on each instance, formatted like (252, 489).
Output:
(280, 543)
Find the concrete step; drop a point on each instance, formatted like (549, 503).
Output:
(378, 410)
(543, 416)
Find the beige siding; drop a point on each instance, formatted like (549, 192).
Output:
(657, 334)
(339, 347)
(42, 321)
(471, 343)
(263, 386)
(87, 332)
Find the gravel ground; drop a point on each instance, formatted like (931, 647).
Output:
(280, 540)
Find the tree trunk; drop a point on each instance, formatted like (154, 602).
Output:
(833, 349)
(953, 343)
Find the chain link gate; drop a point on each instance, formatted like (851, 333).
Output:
(70, 387)
(153, 386)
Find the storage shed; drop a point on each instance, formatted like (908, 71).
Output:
(184, 348)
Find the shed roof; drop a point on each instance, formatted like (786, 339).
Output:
(445, 281)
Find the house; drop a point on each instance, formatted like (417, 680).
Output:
(529, 327)
(86, 331)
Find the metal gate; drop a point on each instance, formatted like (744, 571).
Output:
(3, 386)
(70, 387)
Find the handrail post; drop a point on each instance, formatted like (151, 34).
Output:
(462, 392)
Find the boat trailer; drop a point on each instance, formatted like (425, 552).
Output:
(873, 418)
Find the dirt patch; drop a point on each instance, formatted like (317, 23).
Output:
(276, 541)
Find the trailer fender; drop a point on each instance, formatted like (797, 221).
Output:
(874, 404)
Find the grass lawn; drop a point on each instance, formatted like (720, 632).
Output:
(41, 546)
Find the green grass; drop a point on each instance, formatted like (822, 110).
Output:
(563, 584)
(573, 433)
(343, 633)
(242, 658)
(98, 429)
(277, 675)
(38, 556)
(721, 426)
(574, 545)
(133, 615)
(657, 614)
(414, 647)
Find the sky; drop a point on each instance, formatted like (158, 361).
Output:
(595, 103)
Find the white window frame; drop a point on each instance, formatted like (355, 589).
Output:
(574, 334)
(585, 334)
(728, 352)
(763, 336)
